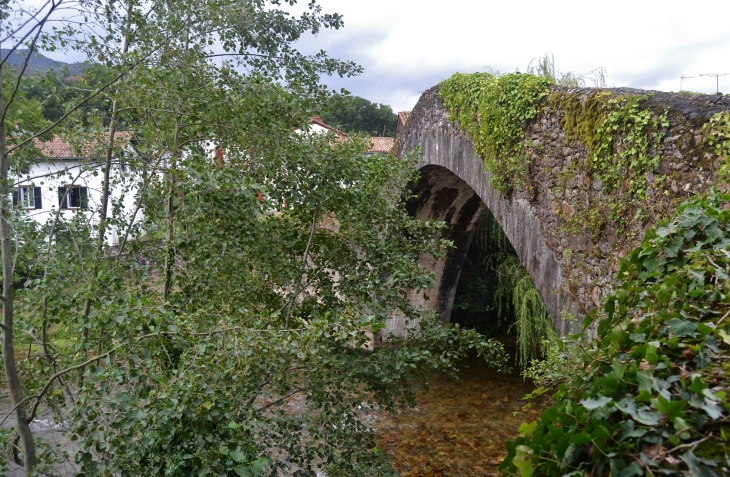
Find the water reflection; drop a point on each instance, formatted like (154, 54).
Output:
(459, 428)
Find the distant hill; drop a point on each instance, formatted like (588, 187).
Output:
(41, 63)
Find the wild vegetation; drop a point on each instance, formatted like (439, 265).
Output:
(230, 332)
(353, 114)
(496, 295)
(650, 395)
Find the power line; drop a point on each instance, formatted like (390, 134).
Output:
(717, 79)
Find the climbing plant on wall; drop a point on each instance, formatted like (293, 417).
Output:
(718, 137)
(494, 111)
(621, 136)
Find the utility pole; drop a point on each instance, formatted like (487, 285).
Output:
(717, 79)
(681, 79)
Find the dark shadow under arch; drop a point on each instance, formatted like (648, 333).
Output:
(441, 194)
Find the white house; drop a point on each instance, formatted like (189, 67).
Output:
(67, 183)
(378, 145)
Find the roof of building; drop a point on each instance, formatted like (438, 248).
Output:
(58, 148)
(318, 121)
(381, 145)
(378, 145)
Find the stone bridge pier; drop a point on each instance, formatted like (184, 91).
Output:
(572, 273)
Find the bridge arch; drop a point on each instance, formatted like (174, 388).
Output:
(453, 187)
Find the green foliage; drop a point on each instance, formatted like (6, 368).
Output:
(354, 114)
(286, 254)
(545, 66)
(562, 363)
(496, 293)
(718, 137)
(474, 303)
(654, 398)
(495, 111)
(22, 121)
(517, 296)
(621, 136)
(296, 251)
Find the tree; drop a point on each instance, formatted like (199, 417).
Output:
(354, 114)
(289, 246)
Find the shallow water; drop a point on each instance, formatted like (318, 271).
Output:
(457, 429)
(460, 427)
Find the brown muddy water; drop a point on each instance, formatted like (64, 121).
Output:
(459, 428)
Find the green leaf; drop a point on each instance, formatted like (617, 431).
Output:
(237, 455)
(724, 335)
(243, 471)
(671, 409)
(696, 469)
(523, 461)
(527, 429)
(681, 328)
(592, 404)
(647, 417)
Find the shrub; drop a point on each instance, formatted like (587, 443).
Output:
(654, 398)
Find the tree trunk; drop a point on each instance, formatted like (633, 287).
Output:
(6, 254)
(169, 213)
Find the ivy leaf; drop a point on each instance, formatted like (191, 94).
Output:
(671, 409)
(648, 417)
(592, 404)
(620, 469)
(243, 471)
(628, 430)
(681, 328)
(724, 335)
(695, 469)
(712, 409)
(646, 380)
(610, 306)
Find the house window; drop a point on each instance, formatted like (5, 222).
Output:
(28, 197)
(77, 197)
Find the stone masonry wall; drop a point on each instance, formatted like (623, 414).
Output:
(572, 267)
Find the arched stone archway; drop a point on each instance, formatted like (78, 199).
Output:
(442, 194)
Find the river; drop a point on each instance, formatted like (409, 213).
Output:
(458, 428)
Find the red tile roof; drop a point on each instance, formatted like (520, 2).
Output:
(57, 148)
(318, 121)
(381, 145)
(378, 145)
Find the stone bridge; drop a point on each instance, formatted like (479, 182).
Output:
(573, 270)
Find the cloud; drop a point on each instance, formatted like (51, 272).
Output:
(668, 67)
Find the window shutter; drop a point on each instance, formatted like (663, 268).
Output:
(83, 197)
(37, 197)
(15, 196)
(62, 196)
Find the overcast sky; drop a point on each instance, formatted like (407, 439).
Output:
(407, 46)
